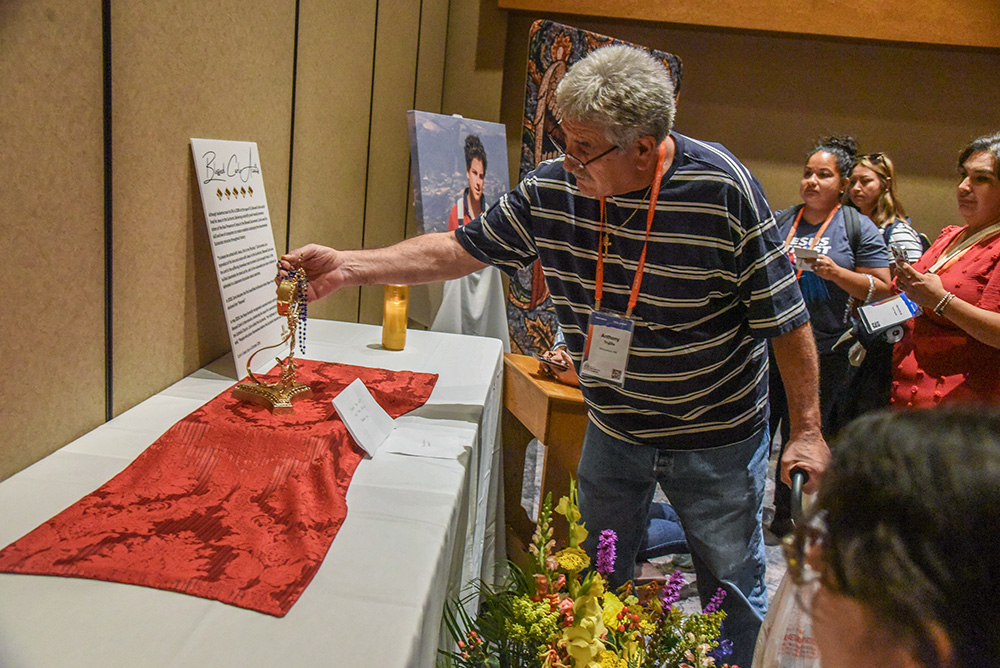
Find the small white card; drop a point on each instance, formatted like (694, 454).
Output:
(367, 422)
(423, 443)
(804, 258)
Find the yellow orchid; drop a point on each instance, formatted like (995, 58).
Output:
(583, 639)
(612, 606)
(570, 509)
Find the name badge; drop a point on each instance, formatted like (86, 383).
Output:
(887, 313)
(605, 353)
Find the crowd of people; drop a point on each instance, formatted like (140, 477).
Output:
(674, 283)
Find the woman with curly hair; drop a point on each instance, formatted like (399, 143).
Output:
(843, 262)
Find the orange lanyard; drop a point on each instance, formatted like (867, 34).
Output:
(816, 237)
(654, 193)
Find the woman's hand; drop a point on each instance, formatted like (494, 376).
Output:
(854, 282)
(825, 268)
(925, 290)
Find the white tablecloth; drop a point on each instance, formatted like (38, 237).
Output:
(417, 530)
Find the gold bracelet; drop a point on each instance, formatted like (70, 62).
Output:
(943, 304)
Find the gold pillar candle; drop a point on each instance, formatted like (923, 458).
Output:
(394, 309)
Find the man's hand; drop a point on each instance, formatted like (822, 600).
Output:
(807, 451)
(323, 267)
(563, 369)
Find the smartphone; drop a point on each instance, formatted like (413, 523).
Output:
(554, 363)
(898, 254)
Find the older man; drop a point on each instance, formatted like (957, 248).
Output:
(667, 277)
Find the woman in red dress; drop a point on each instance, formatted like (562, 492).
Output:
(951, 353)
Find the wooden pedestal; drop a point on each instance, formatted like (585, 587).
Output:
(554, 413)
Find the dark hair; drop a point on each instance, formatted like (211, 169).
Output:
(987, 143)
(474, 149)
(913, 511)
(844, 149)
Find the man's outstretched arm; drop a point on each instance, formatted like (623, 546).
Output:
(421, 259)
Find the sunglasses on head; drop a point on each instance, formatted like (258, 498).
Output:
(875, 157)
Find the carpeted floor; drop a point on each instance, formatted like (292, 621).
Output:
(663, 566)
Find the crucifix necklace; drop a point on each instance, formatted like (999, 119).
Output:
(607, 235)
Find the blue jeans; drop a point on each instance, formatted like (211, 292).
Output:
(718, 494)
(664, 534)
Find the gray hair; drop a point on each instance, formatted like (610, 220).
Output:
(622, 89)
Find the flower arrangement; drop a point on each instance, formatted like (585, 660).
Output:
(560, 615)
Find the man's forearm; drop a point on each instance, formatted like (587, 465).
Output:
(421, 259)
(799, 366)
(806, 448)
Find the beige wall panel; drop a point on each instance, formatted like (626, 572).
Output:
(432, 61)
(956, 22)
(333, 103)
(474, 71)
(389, 144)
(768, 97)
(431, 64)
(52, 235)
(183, 69)
(515, 72)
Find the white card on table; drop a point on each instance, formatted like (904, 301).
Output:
(367, 422)
(423, 443)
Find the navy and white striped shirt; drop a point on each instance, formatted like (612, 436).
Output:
(716, 285)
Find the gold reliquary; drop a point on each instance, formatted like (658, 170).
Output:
(278, 397)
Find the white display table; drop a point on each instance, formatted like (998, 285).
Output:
(417, 531)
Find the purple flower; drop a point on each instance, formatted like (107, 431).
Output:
(672, 590)
(722, 650)
(606, 552)
(716, 601)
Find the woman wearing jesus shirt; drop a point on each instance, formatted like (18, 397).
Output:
(850, 267)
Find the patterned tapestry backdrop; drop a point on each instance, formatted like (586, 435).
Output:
(552, 49)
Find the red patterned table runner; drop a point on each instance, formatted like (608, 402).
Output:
(232, 503)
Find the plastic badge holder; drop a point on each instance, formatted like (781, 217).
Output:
(887, 313)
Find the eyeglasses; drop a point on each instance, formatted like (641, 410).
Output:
(582, 163)
(798, 547)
